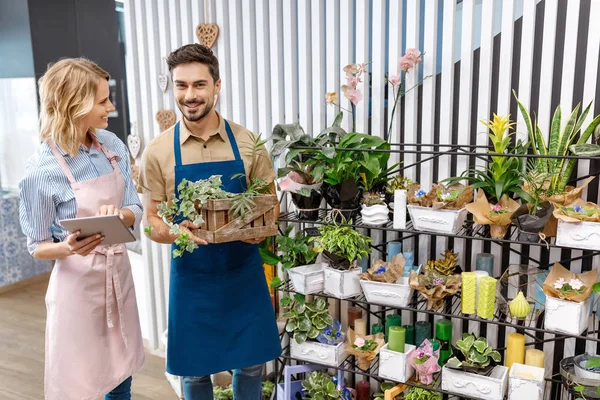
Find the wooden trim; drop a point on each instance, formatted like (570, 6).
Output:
(25, 282)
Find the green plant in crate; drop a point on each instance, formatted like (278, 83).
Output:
(320, 386)
(503, 175)
(382, 388)
(305, 320)
(561, 138)
(343, 242)
(477, 353)
(415, 393)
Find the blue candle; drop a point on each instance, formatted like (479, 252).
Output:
(363, 263)
(409, 257)
(540, 296)
(393, 249)
(485, 262)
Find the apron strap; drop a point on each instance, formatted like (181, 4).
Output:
(177, 144)
(63, 164)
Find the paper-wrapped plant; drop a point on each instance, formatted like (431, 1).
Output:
(441, 279)
(566, 285)
(454, 197)
(364, 348)
(578, 211)
(496, 215)
(425, 362)
(385, 272)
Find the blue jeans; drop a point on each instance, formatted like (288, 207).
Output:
(247, 385)
(121, 392)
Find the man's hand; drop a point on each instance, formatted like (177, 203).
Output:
(187, 227)
(82, 247)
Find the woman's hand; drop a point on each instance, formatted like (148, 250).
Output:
(110, 209)
(82, 247)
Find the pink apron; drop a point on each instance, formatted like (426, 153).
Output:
(93, 336)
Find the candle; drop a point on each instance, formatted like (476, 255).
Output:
(479, 274)
(534, 357)
(397, 338)
(391, 320)
(485, 262)
(409, 257)
(400, 209)
(363, 390)
(377, 328)
(393, 249)
(354, 313)
(469, 292)
(443, 332)
(360, 327)
(515, 349)
(486, 297)
(363, 263)
(410, 334)
(422, 332)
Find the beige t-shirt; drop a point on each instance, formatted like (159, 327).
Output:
(157, 170)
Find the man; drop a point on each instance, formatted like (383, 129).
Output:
(220, 313)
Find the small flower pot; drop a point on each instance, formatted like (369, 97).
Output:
(566, 316)
(307, 208)
(498, 231)
(320, 353)
(376, 215)
(388, 294)
(308, 279)
(435, 220)
(394, 365)
(468, 384)
(526, 382)
(344, 197)
(342, 284)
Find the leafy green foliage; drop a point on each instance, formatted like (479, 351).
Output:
(477, 352)
(267, 389)
(320, 386)
(537, 186)
(343, 241)
(383, 387)
(306, 319)
(148, 230)
(243, 202)
(296, 250)
(416, 393)
(399, 182)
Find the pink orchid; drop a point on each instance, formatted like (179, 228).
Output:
(394, 80)
(497, 208)
(354, 95)
(362, 68)
(405, 63)
(351, 69)
(414, 55)
(353, 81)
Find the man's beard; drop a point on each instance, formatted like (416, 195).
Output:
(197, 114)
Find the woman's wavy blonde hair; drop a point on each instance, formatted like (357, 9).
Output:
(67, 93)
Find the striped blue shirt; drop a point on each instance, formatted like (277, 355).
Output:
(46, 194)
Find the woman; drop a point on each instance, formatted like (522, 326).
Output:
(93, 336)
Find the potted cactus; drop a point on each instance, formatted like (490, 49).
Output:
(441, 279)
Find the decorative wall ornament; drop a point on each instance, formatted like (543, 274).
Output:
(207, 34)
(134, 142)
(166, 119)
(163, 78)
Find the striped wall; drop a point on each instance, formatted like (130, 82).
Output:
(279, 57)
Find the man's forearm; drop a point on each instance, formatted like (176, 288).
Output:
(160, 230)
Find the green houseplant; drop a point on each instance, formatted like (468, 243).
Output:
(415, 393)
(473, 354)
(342, 244)
(305, 319)
(320, 386)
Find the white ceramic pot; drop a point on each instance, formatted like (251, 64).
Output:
(394, 365)
(375, 215)
(566, 316)
(442, 221)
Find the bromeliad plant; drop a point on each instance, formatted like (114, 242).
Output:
(306, 319)
(474, 353)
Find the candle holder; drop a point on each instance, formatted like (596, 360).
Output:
(528, 280)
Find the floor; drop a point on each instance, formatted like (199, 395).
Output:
(22, 323)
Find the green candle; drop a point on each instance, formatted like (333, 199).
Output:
(391, 320)
(410, 334)
(422, 332)
(397, 338)
(377, 328)
(443, 332)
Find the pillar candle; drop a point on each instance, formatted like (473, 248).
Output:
(469, 292)
(486, 297)
(377, 328)
(363, 390)
(399, 209)
(354, 313)
(443, 332)
(479, 274)
(534, 357)
(397, 338)
(422, 332)
(391, 320)
(485, 262)
(409, 257)
(410, 334)
(393, 249)
(515, 349)
(363, 263)
(360, 327)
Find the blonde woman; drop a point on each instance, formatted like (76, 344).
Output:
(93, 337)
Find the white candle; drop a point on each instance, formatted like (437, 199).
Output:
(480, 274)
(360, 326)
(399, 209)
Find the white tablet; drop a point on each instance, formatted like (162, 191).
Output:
(110, 226)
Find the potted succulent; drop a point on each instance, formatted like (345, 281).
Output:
(296, 255)
(441, 279)
(475, 361)
(342, 246)
(306, 321)
(578, 225)
(442, 209)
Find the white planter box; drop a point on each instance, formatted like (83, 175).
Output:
(388, 294)
(580, 235)
(442, 221)
(342, 284)
(319, 353)
(528, 388)
(566, 316)
(375, 215)
(394, 366)
(491, 387)
(307, 279)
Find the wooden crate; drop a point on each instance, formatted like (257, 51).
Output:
(219, 227)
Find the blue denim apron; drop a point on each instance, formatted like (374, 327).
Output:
(220, 311)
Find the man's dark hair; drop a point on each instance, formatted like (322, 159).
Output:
(191, 53)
